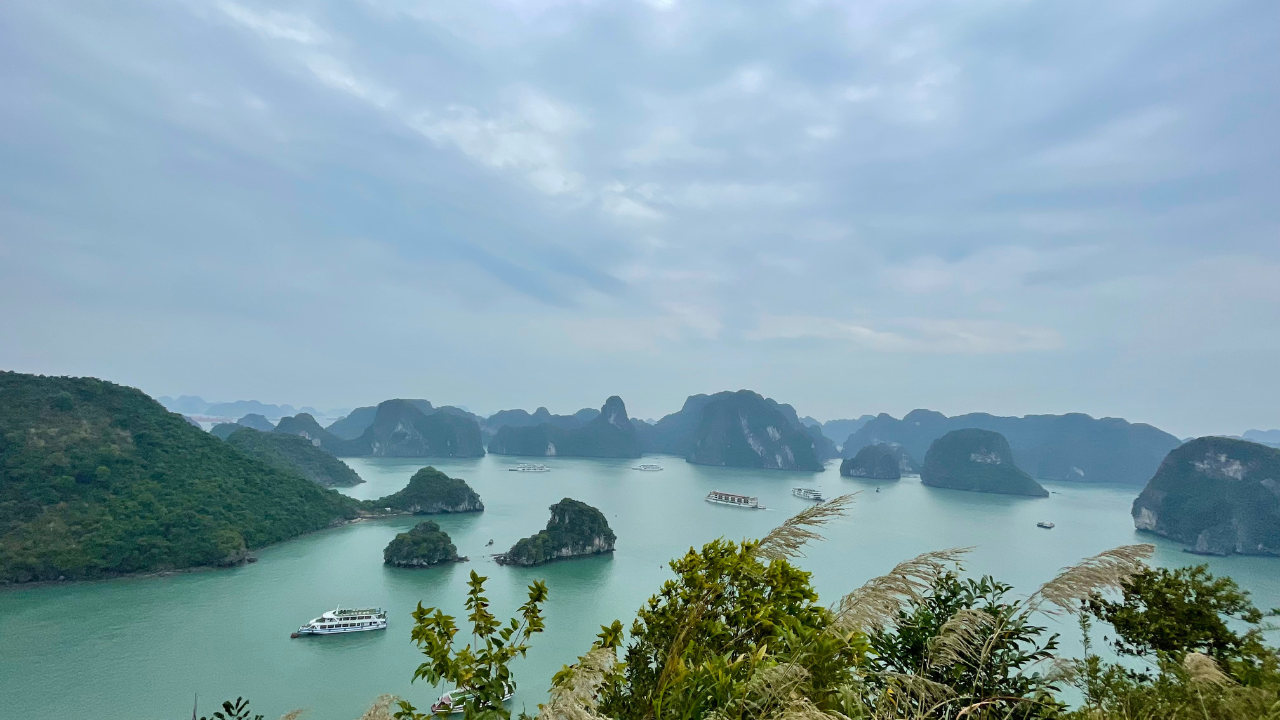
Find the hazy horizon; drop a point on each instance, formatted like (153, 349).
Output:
(994, 206)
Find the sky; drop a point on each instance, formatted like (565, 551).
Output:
(854, 207)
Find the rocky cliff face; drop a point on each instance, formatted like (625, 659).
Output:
(1072, 447)
(426, 545)
(743, 429)
(431, 492)
(609, 434)
(873, 462)
(979, 461)
(401, 429)
(1218, 495)
(574, 530)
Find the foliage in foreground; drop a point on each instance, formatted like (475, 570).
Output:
(483, 670)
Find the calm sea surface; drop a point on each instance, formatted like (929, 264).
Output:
(139, 649)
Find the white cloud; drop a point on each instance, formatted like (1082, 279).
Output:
(333, 73)
(531, 139)
(916, 335)
(275, 24)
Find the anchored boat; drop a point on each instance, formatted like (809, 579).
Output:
(455, 701)
(807, 494)
(1045, 525)
(650, 467)
(339, 620)
(724, 498)
(530, 467)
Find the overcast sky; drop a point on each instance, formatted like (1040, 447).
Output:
(855, 207)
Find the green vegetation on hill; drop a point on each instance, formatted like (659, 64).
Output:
(431, 492)
(292, 453)
(609, 434)
(873, 462)
(575, 529)
(1218, 495)
(1072, 447)
(976, 460)
(401, 429)
(97, 479)
(423, 546)
(743, 429)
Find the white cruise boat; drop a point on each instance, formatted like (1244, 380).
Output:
(339, 620)
(807, 494)
(723, 498)
(455, 701)
(649, 467)
(1045, 524)
(530, 467)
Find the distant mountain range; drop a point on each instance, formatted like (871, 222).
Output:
(1266, 437)
(194, 405)
(1071, 447)
(607, 433)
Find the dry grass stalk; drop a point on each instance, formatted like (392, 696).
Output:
(965, 639)
(786, 540)
(878, 602)
(1104, 571)
(293, 714)
(381, 708)
(1203, 669)
(576, 697)
(912, 695)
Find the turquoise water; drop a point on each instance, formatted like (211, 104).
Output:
(139, 649)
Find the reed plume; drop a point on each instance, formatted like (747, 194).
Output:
(380, 709)
(1203, 669)
(879, 600)
(786, 540)
(1104, 571)
(575, 694)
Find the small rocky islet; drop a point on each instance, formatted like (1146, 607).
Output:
(425, 545)
(575, 530)
(873, 462)
(977, 461)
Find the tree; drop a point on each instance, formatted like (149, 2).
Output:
(481, 671)
(963, 635)
(1166, 614)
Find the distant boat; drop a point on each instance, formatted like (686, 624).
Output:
(530, 467)
(650, 467)
(1045, 525)
(807, 494)
(723, 498)
(455, 701)
(344, 621)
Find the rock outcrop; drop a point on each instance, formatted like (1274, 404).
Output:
(1071, 447)
(426, 545)
(873, 462)
(293, 453)
(979, 461)
(400, 429)
(609, 434)
(575, 530)
(1219, 496)
(257, 422)
(743, 429)
(431, 492)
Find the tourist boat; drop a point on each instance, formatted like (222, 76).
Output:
(1045, 525)
(455, 701)
(807, 494)
(723, 498)
(650, 467)
(339, 620)
(530, 467)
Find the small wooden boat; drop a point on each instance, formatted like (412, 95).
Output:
(1045, 525)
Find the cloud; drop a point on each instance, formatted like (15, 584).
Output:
(274, 24)
(917, 335)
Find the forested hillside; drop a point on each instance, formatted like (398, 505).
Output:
(97, 479)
